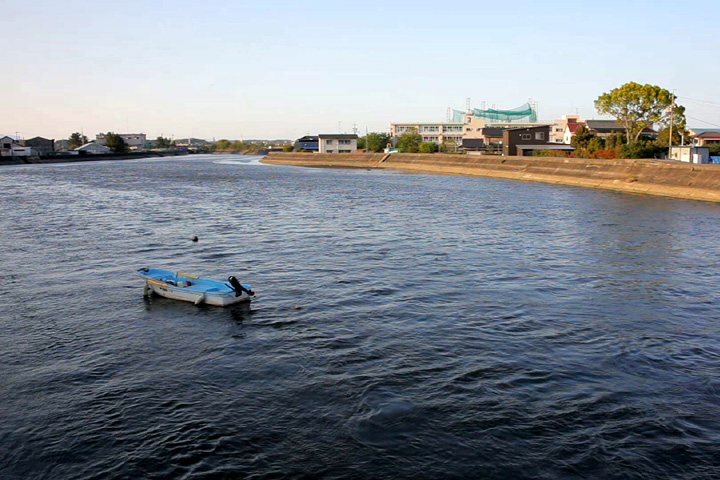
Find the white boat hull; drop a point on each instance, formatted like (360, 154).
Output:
(175, 293)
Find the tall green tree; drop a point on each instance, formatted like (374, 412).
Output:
(376, 141)
(162, 142)
(409, 142)
(615, 140)
(115, 143)
(635, 106)
(582, 137)
(77, 140)
(679, 127)
(595, 144)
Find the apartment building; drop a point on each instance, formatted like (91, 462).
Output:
(440, 132)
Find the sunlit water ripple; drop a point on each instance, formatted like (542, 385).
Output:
(406, 326)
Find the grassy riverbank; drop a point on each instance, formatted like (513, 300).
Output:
(651, 177)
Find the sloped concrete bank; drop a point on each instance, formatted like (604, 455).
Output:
(651, 177)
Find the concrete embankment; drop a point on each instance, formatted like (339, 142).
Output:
(652, 177)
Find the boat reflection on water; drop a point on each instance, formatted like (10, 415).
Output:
(162, 307)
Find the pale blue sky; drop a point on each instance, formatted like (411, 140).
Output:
(280, 69)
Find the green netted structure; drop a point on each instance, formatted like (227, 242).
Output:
(525, 112)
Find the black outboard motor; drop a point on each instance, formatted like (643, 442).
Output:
(238, 287)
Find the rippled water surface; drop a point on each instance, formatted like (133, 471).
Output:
(405, 326)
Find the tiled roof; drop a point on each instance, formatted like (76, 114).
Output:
(574, 126)
(715, 134)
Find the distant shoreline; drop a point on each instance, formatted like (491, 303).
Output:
(650, 177)
(84, 158)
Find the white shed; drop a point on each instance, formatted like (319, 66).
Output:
(690, 154)
(93, 148)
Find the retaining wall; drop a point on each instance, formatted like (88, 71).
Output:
(652, 177)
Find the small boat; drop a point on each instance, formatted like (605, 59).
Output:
(190, 288)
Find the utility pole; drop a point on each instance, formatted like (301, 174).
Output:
(672, 118)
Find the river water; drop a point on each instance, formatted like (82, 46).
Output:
(405, 326)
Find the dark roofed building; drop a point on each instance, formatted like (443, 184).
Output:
(513, 137)
(308, 142)
(604, 128)
(42, 146)
(473, 144)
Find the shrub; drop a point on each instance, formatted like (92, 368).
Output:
(549, 153)
(595, 143)
(607, 153)
(428, 147)
(639, 149)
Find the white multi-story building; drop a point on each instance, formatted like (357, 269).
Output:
(441, 132)
(135, 141)
(472, 128)
(337, 143)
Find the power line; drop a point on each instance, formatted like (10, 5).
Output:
(703, 121)
(708, 102)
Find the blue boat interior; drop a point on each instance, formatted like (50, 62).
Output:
(188, 282)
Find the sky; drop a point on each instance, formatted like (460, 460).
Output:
(282, 69)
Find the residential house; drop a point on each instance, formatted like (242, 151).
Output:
(523, 141)
(570, 130)
(93, 148)
(690, 154)
(605, 128)
(484, 138)
(308, 143)
(706, 138)
(337, 143)
(42, 146)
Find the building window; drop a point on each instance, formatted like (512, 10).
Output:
(329, 151)
(539, 135)
(344, 142)
(343, 151)
(329, 142)
(525, 136)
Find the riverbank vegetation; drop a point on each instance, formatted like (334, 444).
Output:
(236, 146)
